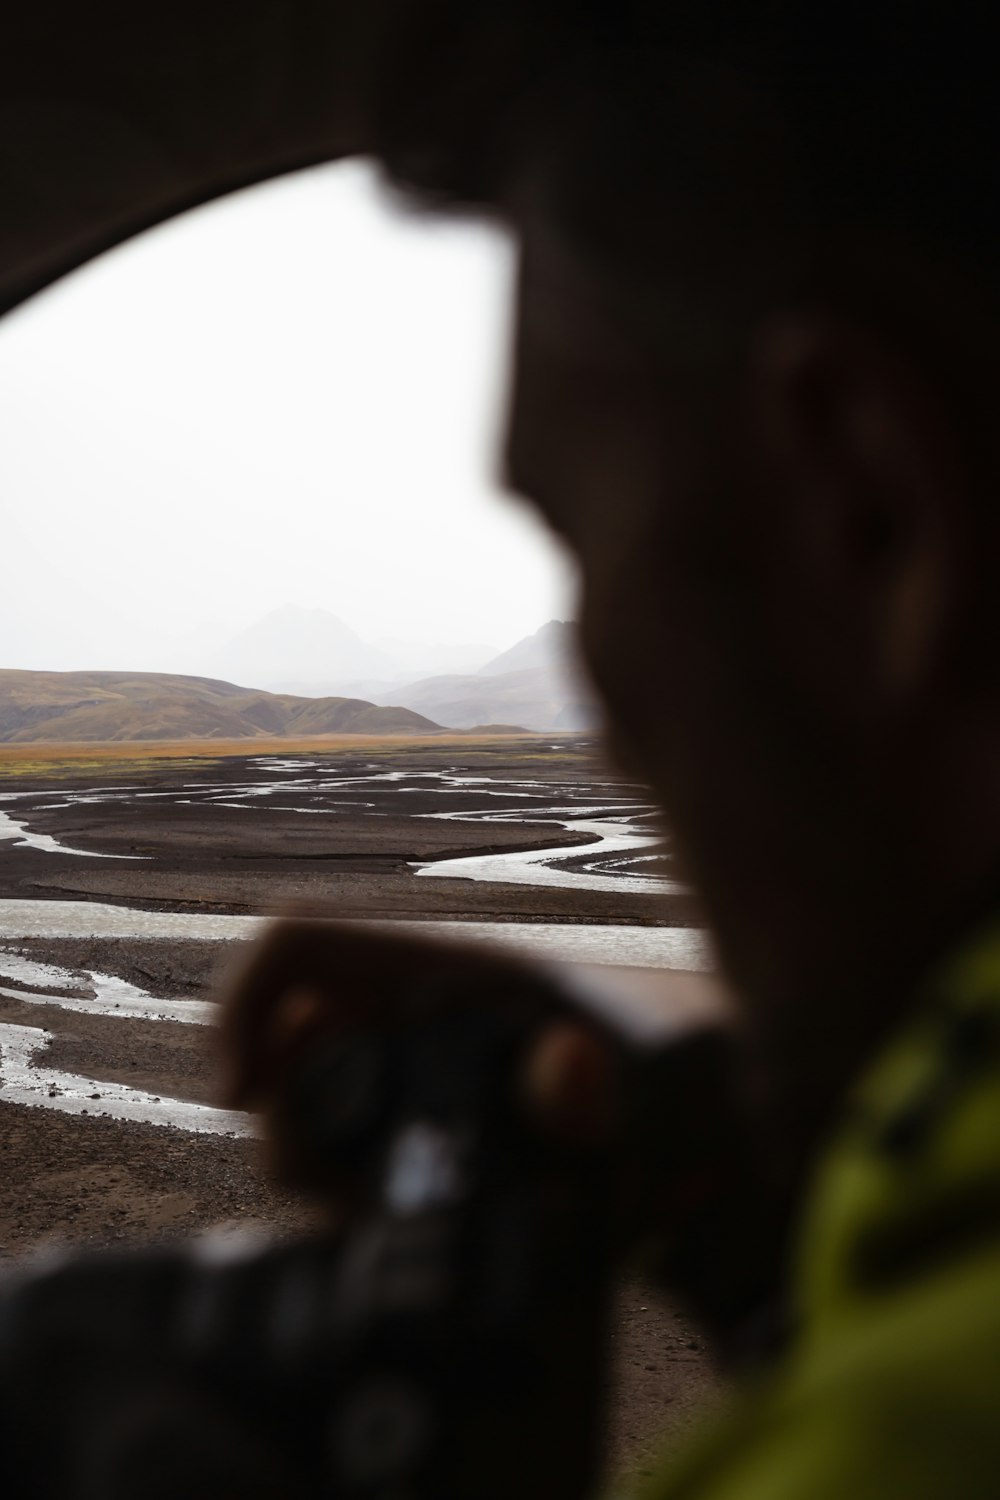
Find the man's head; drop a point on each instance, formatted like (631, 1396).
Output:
(753, 384)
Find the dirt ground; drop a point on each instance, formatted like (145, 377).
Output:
(97, 1181)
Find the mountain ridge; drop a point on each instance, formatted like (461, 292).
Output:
(537, 682)
(552, 646)
(314, 653)
(40, 707)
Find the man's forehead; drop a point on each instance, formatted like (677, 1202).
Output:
(607, 322)
(562, 312)
(587, 398)
(573, 311)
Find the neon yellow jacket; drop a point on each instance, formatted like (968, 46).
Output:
(892, 1386)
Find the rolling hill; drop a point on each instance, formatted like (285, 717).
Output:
(39, 707)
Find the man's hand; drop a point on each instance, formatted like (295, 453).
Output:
(309, 986)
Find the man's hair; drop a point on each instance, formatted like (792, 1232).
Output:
(883, 116)
(710, 158)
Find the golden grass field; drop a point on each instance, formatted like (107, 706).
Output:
(45, 758)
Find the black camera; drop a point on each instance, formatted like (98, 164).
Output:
(450, 1343)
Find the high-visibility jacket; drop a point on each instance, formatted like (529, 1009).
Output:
(890, 1389)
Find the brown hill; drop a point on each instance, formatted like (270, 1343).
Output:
(42, 706)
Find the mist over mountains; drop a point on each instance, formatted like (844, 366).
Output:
(314, 653)
(303, 651)
(536, 683)
(297, 673)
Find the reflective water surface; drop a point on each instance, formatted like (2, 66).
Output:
(622, 850)
(593, 943)
(26, 1079)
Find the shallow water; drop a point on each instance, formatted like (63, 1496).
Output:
(591, 943)
(93, 993)
(20, 834)
(611, 824)
(539, 867)
(25, 1079)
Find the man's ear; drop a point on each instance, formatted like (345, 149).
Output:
(864, 457)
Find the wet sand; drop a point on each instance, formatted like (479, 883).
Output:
(89, 1179)
(227, 835)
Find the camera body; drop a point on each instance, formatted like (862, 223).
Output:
(450, 1342)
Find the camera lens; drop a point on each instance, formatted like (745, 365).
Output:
(338, 1093)
(380, 1431)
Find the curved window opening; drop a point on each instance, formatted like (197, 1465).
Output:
(273, 636)
(250, 466)
(286, 400)
(274, 639)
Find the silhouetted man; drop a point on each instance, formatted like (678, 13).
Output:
(754, 389)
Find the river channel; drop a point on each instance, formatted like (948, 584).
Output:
(615, 845)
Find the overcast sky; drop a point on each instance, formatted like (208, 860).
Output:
(292, 395)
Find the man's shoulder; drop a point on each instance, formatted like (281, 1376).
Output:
(890, 1387)
(897, 1399)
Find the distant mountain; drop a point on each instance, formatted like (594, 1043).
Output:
(530, 699)
(554, 648)
(52, 706)
(304, 651)
(309, 652)
(537, 683)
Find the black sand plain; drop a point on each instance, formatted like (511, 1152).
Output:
(211, 844)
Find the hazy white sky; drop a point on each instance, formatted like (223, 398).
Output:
(292, 395)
